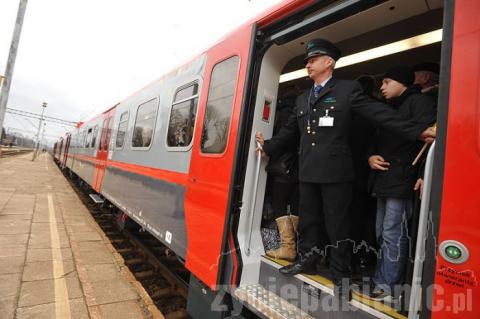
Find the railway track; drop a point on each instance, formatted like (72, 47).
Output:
(12, 152)
(154, 265)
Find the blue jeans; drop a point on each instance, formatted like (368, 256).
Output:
(393, 239)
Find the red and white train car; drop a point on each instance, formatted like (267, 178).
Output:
(178, 156)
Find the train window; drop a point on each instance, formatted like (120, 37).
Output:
(94, 136)
(182, 116)
(144, 124)
(219, 106)
(122, 129)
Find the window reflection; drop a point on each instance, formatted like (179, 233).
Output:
(144, 124)
(122, 129)
(219, 106)
(182, 117)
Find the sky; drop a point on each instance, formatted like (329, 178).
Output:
(84, 56)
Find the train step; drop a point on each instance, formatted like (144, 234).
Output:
(97, 199)
(268, 303)
(313, 294)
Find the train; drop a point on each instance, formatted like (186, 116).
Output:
(178, 156)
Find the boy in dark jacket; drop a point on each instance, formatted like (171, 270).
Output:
(394, 179)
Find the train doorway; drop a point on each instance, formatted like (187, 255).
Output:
(389, 34)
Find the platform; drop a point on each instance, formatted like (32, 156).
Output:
(55, 262)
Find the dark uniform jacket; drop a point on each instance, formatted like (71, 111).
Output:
(324, 153)
(399, 180)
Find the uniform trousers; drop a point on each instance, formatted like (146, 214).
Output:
(325, 221)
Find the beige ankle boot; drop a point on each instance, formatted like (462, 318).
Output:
(287, 249)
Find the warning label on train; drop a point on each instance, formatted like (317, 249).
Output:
(460, 279)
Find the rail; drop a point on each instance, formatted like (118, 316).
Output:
(254, 202)
(415, 294)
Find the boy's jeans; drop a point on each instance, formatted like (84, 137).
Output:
(392, 235)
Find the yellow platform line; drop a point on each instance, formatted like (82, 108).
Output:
(62, 305)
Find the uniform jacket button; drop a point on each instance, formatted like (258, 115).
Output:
(313, 144)
(314, 132)
(314, 110)
(314, 121)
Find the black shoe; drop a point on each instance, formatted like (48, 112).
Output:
(322, 263)
(307, 267)
(341, 290)
(375, 293)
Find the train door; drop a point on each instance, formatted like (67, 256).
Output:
(450, 281)
(103, 150)
(67, 146)
(213, 153)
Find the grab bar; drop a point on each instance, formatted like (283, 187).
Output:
(415, 294)
(252, 210)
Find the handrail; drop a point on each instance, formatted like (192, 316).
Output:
(253, 204)
(415, 293)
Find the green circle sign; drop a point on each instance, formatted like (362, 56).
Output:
(453, 252)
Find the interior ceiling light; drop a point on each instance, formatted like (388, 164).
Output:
(378, 52)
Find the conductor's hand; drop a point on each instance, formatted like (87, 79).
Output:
(377, 162)
(260, 141)
(428, 135)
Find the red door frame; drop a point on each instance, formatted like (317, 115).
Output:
(103, 149)
(209, 179)
(456, 291)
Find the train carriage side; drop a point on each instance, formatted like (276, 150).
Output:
(173, 147)
(149, 156)
(86, 149)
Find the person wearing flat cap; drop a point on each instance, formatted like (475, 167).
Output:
(322, 122)
(426, 78)
(394, 177)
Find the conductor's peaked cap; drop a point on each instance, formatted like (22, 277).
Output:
(318, 47)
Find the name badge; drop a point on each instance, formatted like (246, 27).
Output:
(325, 121)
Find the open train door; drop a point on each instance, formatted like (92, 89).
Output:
(213, 154)
(103, 149)
(450, 282)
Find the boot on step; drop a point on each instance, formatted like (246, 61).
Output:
(288, 247)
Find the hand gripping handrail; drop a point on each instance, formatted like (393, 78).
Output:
(415, 294)
(254, 201)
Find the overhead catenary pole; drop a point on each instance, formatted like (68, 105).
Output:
(41, 143)
(11, 62)
(37, 138)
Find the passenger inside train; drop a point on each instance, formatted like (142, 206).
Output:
(406, 39)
